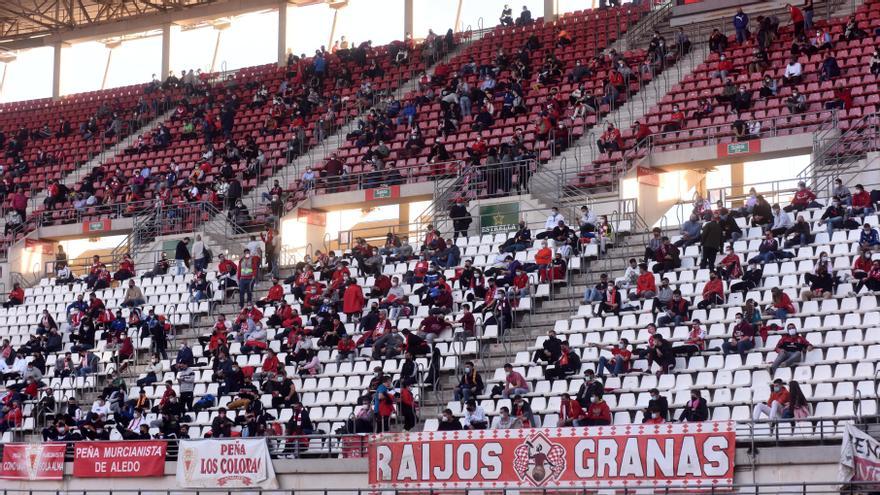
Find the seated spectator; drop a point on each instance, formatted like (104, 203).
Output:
(552, 222)
(504, 421)
(620, 362)
(830, 69)
(676, 120)
(793, 73)
(723, 68)
(598, 413)
(768, 87)
(676, 311)
(134, 297)
(821, 285)
(15, 297)
(796, 103)
(611, 302)
(729, 267)
(742, 100)
(550, 350)
(646, 288)
(668, 258)
(798, 407)
(447, 422)
(868, 238)
(852, 31)
(871, 280)
(862, 265)
(861, 202)
(791, 349)
(835, 217)
(742, 339)
(713, 292)
(469, 385)
(570, 412)
(717, 42)
(777, 402)
(696, 409)
(569, 363)
(803, 198)
(597, 292)
(474, 416)
(874, 63)
(610, 140)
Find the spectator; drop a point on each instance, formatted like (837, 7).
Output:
(803, 198)
(861, 202)
(717, 42)
(868, 238)
(550, 350)
(552, 222)
(781, 221)
(713, 292)
(777, 402)
(597, 292)
(570, 412)
(15, 297)
(383, 405)
(798, 407)
(610, 140)
(696, 409)
(598, 413)
(796, 103)
(793, 73)
(871, 280)
(569, 363)
(722, 69)
(797, 20)
(742, 339)
(658, 407)
(448, 422)
(469, 385)
(620, 362)
(742, 100)
(741, 26)
(835, 217)
(610, 302)
(514, 383)
(690, 231)
(790, 350)
(676, 120)
(630, 276)
(676, 311)
(729, 267)
(504, 421)
(830, 69)
(134, 297)
(862, 265)
(645, 285)
(182, 256)
(474, 416)
(711, 238)
(248, 268)
(821, 285)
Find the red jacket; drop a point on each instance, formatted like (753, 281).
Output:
(271, 364)
(796, 14)
(226, 266)
(254, 314)
(785, 303)
(353, 299)
(861, 199)
(645, 282)
(599, 410)
(346, 346)
(803, 197)
(713, 287)
(17, 295)
(863, 264)
(572, 410)
(276, 293)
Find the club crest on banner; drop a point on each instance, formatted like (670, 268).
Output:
(539, 461)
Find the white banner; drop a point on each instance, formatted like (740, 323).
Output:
(225, 463)
(859, 457)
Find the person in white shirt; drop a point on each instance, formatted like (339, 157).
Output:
(100, 407)
(474, 417)
(630, 276)
(792, 72)
(781, 221)
(504, 421)
(552, 222)
(587, 221)
(200, 263)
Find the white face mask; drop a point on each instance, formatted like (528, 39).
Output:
(594, 399)
(792, 331)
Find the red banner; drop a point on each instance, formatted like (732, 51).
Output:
(694, 456)
(33, 461)
(119, 459)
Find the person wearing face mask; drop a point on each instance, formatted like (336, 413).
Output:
(474, 416)
(695, 343)
(742, 339)
(868, 238)
(676, 120)
(658, 408)
(872, 280)
(552, 222)
(779, 400)
(469, 385)
(448, 422)
(675, 312)
(598, 413)
(151, 372)
(568, 364)
(791, 349)
(766, 250)
(730, 266)
(550, 349)
(713, 292)
(798, 234)
(862, 265)
(620, 362)
(248, 268)
(668, 257)
(751, 278)
(695, 409)
(821, 285)
(520, 241)
(803, 198)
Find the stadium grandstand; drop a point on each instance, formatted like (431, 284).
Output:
(440, 246)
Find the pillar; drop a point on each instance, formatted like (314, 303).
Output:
(549, 10)
(408, 18)
(403, 218)
(166, 51)
(282, 33)
(56, 71)
(737, 179)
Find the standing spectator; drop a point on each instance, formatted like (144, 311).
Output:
(797, 20)
(711, 239)
(741, 25)
(182, 256)
(247, 272)
(383, 405)
(199, 255)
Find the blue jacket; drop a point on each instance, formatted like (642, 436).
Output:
(870, 239)
(741, 21)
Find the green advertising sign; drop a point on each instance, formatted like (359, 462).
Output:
(503, 217)
(737, 148)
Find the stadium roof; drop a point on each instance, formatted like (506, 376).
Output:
(34, 23)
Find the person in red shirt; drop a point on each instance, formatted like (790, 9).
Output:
(467, 321)
(655, 417)
(16, 296)
(570, 412)
(723, 68)
(610, 140)
(862, 265)
(713, 292)
(13, 417)
(842, 98)
(872, 281)
(797, 20)
(521, 282)
(640, 131)
(249, 315)
(861, 202)
(620, 359)
(544, 256)
(125, 270)
(803, 198)
(646, 287)
(271, 365)
(353, 299)
(791, 349)
(275, 295)
(346, 349)
(598, 414)
(696, 341)
(779, 399)
(676, 120)
(407, 406)
(782, 305)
